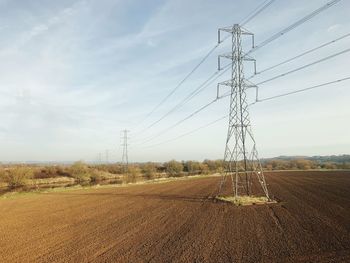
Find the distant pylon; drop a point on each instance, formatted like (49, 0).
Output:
(242, 164)
(107, 156)
(125, 158)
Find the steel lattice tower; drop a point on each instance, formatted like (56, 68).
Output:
(242, 164)
(125, 158)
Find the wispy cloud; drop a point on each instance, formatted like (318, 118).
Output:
(73, 75)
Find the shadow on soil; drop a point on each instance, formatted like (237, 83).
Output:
(181, 198)
(149, 196)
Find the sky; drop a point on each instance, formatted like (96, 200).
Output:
(74, 74)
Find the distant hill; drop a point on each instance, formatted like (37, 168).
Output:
(345, 158)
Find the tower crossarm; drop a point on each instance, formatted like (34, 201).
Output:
(232, 30)
(232, 56)
(231, 83)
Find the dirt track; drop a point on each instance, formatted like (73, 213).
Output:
(176, 222)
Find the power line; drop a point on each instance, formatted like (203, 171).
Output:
(188, 98)
(291, 27)
(300, 55)
(305, 66)
(262, 44)
(226, 95)
(260, 100)
(179, 104)
(188, 133)
(181, 82)
(186, 118)
(302, 90)
(181, 121)
(272, 38)
(256, 12)
(194, 93)
(294, 25)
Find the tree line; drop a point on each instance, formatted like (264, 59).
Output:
(14, 176)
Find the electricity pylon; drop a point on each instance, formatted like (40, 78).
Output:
(242, 164)
(125, 158)
(107, 156)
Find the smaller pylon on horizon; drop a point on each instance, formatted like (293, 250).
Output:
(107, 156)
(125, 158)
(241, 159)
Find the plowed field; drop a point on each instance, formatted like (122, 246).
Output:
(177, 222)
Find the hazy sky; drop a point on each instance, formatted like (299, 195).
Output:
(73, 74)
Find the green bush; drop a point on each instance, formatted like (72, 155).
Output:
(2, 175)
(17, 176)
(215, 166)
(96, 177)
(80, 172)
(149, 170)
(204, 169)
(133, 173)
(193, 167)
(48, 172)
(329, 165)
(174, 168)
(110, 168)
(345, 165)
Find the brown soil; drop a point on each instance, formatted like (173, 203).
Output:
(178, 222)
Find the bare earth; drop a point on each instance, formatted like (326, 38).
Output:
(177, 222)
